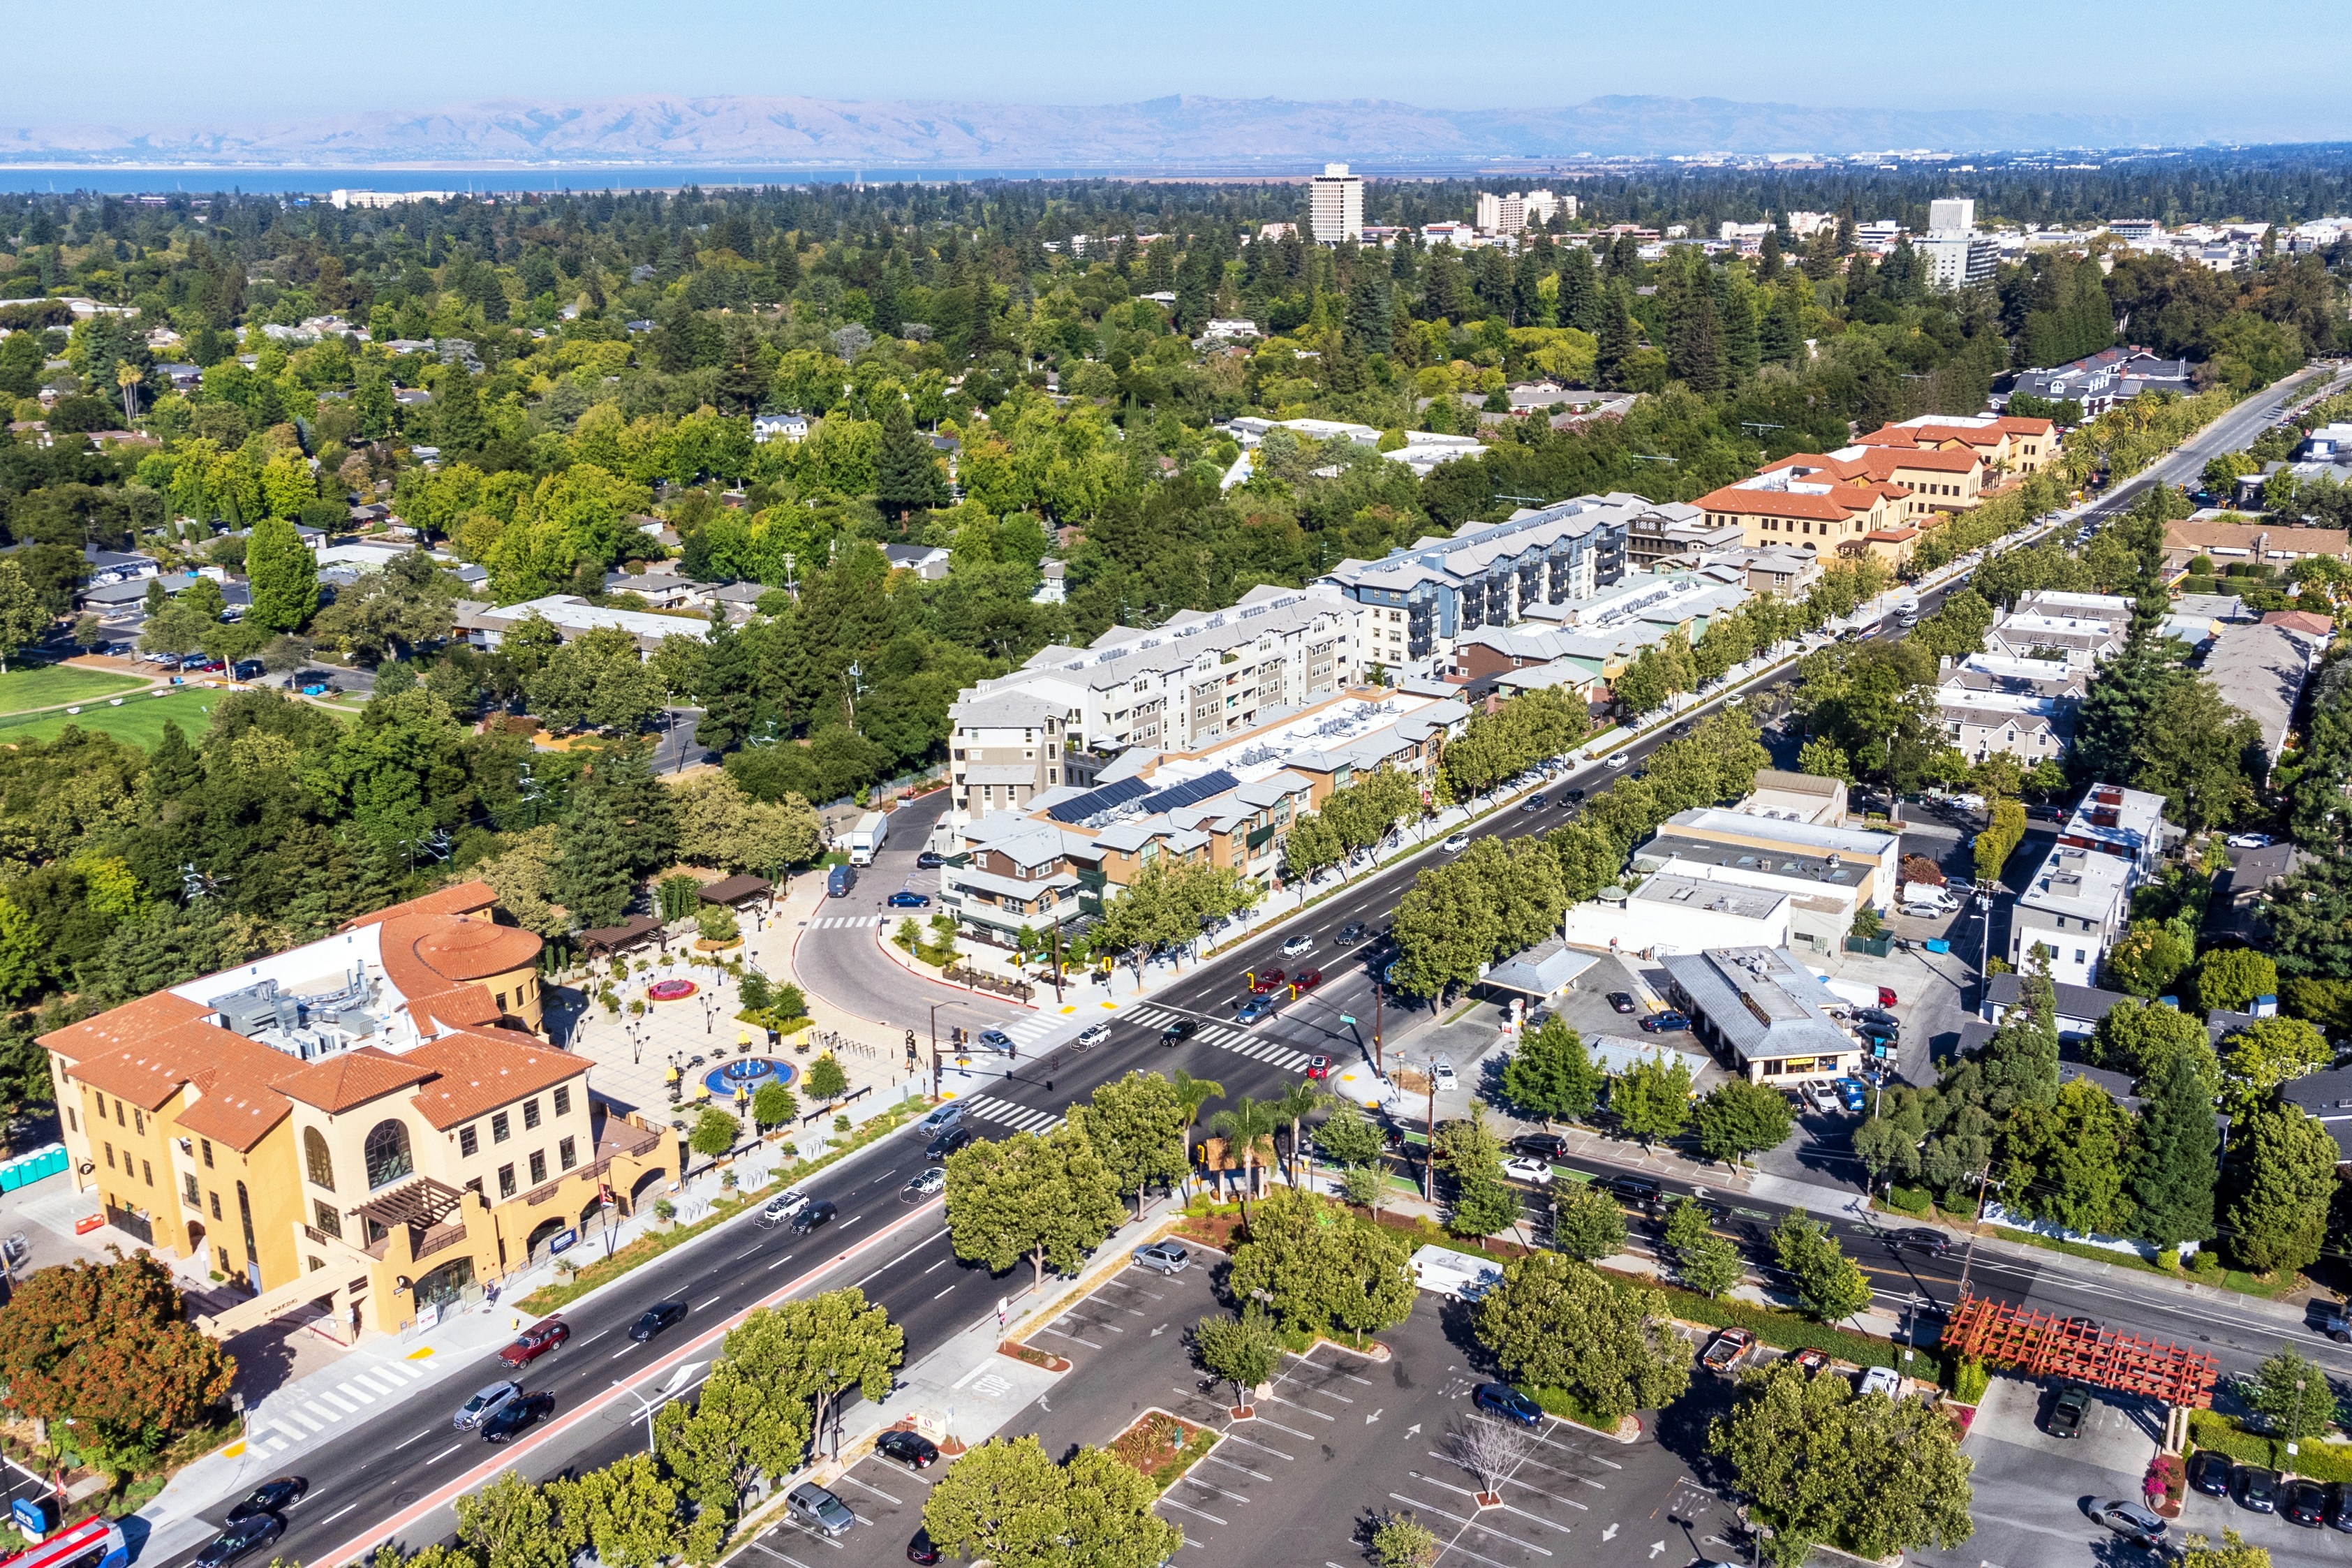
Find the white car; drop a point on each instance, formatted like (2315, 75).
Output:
(1456, 842)
(1443, 1070)
(1617, 759)
(2249, 841)
(1882, 1380)
(1526, 1168)
(1093, 1035)
(784, 1205)
(1296, 945)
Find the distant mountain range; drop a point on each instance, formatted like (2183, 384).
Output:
(1183, 134)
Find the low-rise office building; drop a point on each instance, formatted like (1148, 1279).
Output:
(1674, 913)
(2261, 671)
(1788, 832)
(1824, 894)
(366, 1123)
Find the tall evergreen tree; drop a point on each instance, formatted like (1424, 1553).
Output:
(905, 477)
(1781, 334)
(1528, 307)
(457, 418)
(1619, 334)
(1742, 350)
(2173, 1154)
(283, 575)
(1370, 316)
(1579, 290)
(1698, 357)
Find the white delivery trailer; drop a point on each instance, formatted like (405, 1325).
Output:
(1454, 1274)
(1853, 993)
(866, 839)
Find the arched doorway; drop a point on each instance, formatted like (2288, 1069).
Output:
(446, 1283)
(644, 1190)
(543, 1233)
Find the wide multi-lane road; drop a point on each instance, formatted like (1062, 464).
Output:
(391, 1475)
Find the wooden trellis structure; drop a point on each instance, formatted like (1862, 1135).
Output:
(2045, 1346)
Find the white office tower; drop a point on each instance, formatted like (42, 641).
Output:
(1951, 215)
(1957, 257)
(1512, 214)
(1337, 204)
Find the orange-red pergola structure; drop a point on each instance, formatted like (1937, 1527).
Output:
(2047, 1346)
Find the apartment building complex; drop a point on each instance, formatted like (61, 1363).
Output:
(2078, 901)
(1178, 687)
(367, 1122)
(2025, 706)
(1420, 599)
(1512, 214)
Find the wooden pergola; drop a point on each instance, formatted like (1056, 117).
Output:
(2043, 1345)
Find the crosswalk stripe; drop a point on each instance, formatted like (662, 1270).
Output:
(306, 1421)
(1296, 1059)
(290, 1432)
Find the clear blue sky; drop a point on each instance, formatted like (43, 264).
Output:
(130, 61)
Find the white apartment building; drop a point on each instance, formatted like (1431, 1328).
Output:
(1957, 257)
(1336, 205)
(1513, 213)
(2076, 905)
(1177, 688)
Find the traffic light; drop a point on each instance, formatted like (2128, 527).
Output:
(910, 1045)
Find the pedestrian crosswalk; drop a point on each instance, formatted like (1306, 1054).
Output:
(301, 1424)
(1019, 1118)
(1030, 1030)
(827, 923)
(1226, 1037)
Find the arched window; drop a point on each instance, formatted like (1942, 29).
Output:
(317, 1161)
(387, 1154)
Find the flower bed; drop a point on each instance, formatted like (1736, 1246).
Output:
(1032, 1355)
(1160, 1447)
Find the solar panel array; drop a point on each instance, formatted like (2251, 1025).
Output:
(1202, 788)
(1096, 801)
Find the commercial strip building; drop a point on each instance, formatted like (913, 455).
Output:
(368, 1121)
(1764, 1012)
(1822, 891)
(2277, 545)
(1670, 913)
(484, 625)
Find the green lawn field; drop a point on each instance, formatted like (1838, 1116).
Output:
(47, 685)
(140, 720)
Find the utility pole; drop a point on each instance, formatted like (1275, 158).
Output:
(1380, 993)
(1968, 1258)
(1057, 961)
(1429, 1161)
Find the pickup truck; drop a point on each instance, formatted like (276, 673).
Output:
(1727, 1347)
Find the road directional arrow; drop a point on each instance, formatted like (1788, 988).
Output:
(1373, 1418)
(1657, 1548)
(1413, 1430)
(1609, 1533)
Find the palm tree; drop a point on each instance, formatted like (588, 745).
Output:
(1300, 1101)
(1193, 1093)
(126, 376)
(1248, 1128)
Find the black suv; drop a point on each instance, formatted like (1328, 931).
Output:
(947, 1143)
(1179, 1029)
(1636, 1192)
(1542, 1145)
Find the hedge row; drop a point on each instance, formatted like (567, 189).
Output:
(2315, 1461)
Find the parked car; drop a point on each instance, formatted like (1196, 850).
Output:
(2340, 1507)
(1666, 1023)
(2068, 1411)
(2257, 1489)
(1178, 1030)
(1852, 1092)
(517, 1416)
(1882, 1380)
(535, 1342)
(821, 1213)
(271, 1497)
(1723, 1352)
(811, 1506)
(930, 1182)
(2249, 841)
(1878, 1018)
(1093, 1035)
(929, 860)
(1502, 1400)
(907, 898)
(1528, 1168)
(243, 1536)
(1810, 1362)
(1296, 945)
(1161, 1257)
(1443, 1071)
(1623, 1002)
(911, 1449)
(477, 1410)
(2208, 1472)
(1540, 1145)
(1821, 1098)
(1256, 1010)
(1456, 842)
(784, 1205)
(2130, 1520)
(1351, 933)
(1318, 1068)
(664, 1314)
(2304, 1503)
(947, 1143)
(922, 1548)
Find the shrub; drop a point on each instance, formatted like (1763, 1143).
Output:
(1970, 1380)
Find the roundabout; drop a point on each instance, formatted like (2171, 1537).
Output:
(748, 1075)
(670, 990)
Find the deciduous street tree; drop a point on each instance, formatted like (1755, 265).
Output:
(1557, 1323)
(1738, 1119)
(1006, 1502)
(626, 1513)
(1050, 1200)
(1316, 1265)
(511, 1524)
(1135, 1127)
(1586, 1222)
(1652, 1099)
(1551, 1074)
(1827, 1282)
(1245, 1351)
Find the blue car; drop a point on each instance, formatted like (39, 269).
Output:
(1852, 1092)
(1255, 1008)
(906, 899)
(996, 1040)
(1501, 1399)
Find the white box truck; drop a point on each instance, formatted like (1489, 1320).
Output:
(866, 839)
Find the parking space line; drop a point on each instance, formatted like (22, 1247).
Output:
(1474, 1524)
(1245, 1470)
(1072, 1338)
(1329, 1395)
(1300, 1408)
(1507, 1508)
(878, 1491)
(1293, 1431)
(771, 1551)
(1211, 1487)
(1245, 1442)
(1538, 1464)
(1171, 1502)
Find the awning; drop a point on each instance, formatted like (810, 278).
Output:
(423, 1202)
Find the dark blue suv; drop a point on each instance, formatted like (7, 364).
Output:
(1501, 1399)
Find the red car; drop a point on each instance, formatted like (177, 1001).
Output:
(1268, 981)
(1307, 980)
(536, 1342)
(1319, 1067)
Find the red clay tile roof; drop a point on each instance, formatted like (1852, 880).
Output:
(459, 1008)
(479, 1074)
(2018, 424)
(126, 1025)
(1841, 503)
(237, 1080)
(237, 1116)
(458, 899)
(345, 1082)
(151, 1071)
(471, 950)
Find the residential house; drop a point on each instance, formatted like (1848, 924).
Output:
(574, 618)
